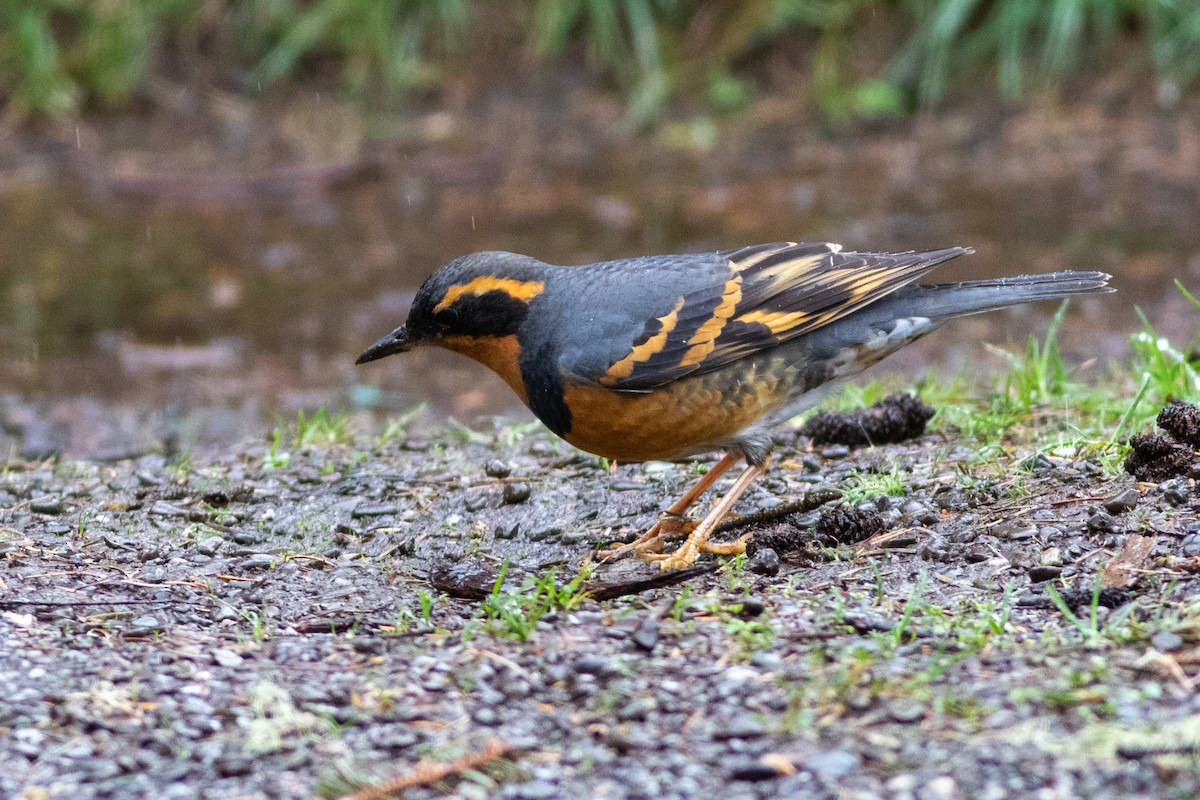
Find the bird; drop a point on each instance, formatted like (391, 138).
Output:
(669, 356)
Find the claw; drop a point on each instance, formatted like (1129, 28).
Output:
(673, 523)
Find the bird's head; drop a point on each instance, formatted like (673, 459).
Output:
(470, 299)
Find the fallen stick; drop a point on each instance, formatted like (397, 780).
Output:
(430, 771)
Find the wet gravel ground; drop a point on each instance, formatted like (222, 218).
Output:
(214, 628)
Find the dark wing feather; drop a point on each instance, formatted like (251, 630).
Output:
(770, 294)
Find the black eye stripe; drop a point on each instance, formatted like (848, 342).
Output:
(494, 313)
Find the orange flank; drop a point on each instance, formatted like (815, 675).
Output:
(668, 422)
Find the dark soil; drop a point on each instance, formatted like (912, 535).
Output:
(213, 628)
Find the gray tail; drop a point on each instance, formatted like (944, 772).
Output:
(945, 300)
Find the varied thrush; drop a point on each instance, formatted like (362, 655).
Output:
(664, 357)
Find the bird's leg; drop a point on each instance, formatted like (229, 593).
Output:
(697, 541)
(671, 520)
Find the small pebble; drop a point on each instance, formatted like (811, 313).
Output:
(593, 665)
(1042, 573)
(833, 764)
(226, 658)
(258, 561)
(765, 561)
(516, 493)
(164, 509)
(1176, 491)
(941, 788)
(1122, 501)
(497, 468)
(373, 510)
(46, 505)
(209, 545)
(753, 771)
(646, 634)
(739, 726)
(1166, 641)
(906, 711)
(752, 606)
(475, 502)
(507, 531)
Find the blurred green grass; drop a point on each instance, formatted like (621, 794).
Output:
(863, 57)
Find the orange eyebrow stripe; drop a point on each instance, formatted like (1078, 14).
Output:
(521, 290)
(643, 351)
(704, 340)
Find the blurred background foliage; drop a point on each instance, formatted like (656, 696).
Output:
(863, 57)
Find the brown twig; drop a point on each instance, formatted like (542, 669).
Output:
(806, 502)
(430, 771)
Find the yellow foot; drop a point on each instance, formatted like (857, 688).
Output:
(691, 550)
(669, 526)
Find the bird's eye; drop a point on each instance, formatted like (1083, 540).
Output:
(446, 317)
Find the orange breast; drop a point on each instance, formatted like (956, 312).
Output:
(497, 353)
(685, 417)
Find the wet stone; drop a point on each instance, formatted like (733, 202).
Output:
(507, 531)
(1044, 572)
(906, 711)
(1190, 546)
(374, 510)
(1101, 522)
(833, 764)
(226, 658)
(164, 509)
(645, 636)
(739, 726)
(1176, 491)
(534, 790)
(1050, 533)
(516, 493)
(635, 710)
(542, 535)
(496, 468)
(393, 737)
(765, 561)
(475, 502)
(1018, 533)
(752, 771)
(46, 505)
(752, 606)
(1125, 500)
(229, 765)
(594, 665)
(1166, 641)
(209, 545)
(485, 716)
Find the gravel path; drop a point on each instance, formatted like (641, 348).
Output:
(214, 628)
